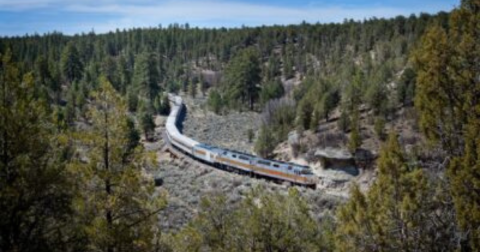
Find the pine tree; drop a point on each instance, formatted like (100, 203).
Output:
(465, 182)
(315, 120)
(305, 111)
(400, 212)
(271, 90)
(376, 97)
(215, 101)
(288, 62)
(379, 128)
(35, 189)
(192, 88)
(343, 122)
(132, 99)
(353, 92)
(447, 98)
(44, 79)
(147, 124)
(406, 87)
(124, 73)
(133, 137)
(275, 222)
(162, 104)
(355, 231)
(110, 71)
(328, 103)
(242, 75)
(355, 140)
(145, 76)
(439, 117)
(72, 67)
(265, 142)
(116, 210)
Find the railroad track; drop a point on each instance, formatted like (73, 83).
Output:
(196, 152)
(168, 148)
(187, 159)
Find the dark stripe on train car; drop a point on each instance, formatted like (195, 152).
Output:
(295, 178)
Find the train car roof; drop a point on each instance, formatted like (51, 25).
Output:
(177, 100)
(264, 159)
(239, 153)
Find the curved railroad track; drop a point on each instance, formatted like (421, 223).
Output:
(201, 154)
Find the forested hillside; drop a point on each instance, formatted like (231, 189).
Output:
(73, 172)
(338, 65)
(145, 62)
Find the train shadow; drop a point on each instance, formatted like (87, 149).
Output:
(181, 118)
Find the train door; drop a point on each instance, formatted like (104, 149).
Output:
(208, 157)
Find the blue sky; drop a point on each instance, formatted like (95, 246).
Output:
(18, 17)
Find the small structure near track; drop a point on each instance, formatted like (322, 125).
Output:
(331, 158)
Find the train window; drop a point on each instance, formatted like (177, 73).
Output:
(264, 163)
(243, 157)
(276, 165)
(307, 172)
(234, 156)
(289, 167)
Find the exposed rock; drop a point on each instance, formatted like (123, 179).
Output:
(293, 137)
(228, 131)
(332, 153)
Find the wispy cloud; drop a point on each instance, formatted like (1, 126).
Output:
(192, 10)
(107, 15)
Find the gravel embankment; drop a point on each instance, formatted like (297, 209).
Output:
(227, 131)
(187, 184)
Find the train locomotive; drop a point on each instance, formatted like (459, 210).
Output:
(233, 160)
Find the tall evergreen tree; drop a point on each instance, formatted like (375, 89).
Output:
(124, 73)
(192, 88)
(398, 213)
(215, 101)
(440, 112)
(305, 114)
(242, 77)
(448, 100)
(328, 103)
(265, 142)
(116, 209)
(72, 67)
(465, 184)
(147, 124)
(35, 189)
(271, 90)
(145, 76)
(355, 140)
(353, 92)
(162, 104)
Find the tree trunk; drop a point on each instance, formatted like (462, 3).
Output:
(108, 186)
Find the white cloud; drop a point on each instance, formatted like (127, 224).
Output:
(142, 13)
(215, 12)
(192, 10)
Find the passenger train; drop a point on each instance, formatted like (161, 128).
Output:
(228, 159)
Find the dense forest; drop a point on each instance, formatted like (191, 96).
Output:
(73, 110)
